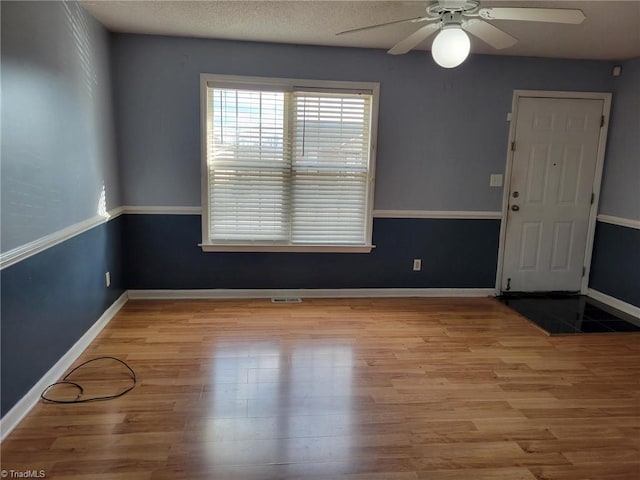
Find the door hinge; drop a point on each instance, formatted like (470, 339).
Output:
(593, 198)
(584, 270)
(602, 121)
(513, 146)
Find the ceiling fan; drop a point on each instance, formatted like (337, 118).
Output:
(453, 17)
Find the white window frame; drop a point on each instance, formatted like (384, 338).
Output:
(286, 84)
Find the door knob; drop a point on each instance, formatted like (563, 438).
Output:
(515, 208)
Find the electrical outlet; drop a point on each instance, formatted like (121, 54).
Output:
(417, 264)
(107, 279)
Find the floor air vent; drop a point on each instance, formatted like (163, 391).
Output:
(286, 300)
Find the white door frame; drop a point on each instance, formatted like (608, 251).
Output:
(602, 142)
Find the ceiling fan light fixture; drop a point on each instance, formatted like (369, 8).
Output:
(451, 46)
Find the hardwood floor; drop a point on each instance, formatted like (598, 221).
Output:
(357, 389)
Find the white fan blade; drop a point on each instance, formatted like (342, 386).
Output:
(414, 39)
(489, 34)
(551, 15)
(370, 27)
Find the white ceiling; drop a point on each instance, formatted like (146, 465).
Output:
(611, 30)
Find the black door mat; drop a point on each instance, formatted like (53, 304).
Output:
(561, 314)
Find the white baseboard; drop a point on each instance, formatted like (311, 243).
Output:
(26, 403)
(615, 303)
(310, 293)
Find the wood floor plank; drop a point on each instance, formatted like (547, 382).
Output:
(348, 389)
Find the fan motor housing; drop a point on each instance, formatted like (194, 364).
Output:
(449, 6)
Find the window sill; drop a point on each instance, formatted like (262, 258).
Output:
(287, 248)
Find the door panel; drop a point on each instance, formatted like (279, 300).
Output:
(530, 245)
(553, 169)
(537, 174)
(570, 175)
(561, 248)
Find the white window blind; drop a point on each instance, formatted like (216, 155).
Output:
(249, 168)
(287, 166)
(330, 168)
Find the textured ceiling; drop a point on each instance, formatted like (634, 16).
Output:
(611, 30)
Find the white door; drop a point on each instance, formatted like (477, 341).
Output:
(550, 193)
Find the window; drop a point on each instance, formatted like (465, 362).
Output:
(287, 164)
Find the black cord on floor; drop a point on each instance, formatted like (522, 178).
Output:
(66, 381)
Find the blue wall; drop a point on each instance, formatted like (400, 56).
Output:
(162, 252)
(621, 178)
(49, 300)
(615, 267)
(441, 134)
(58, 150)
(58, 168)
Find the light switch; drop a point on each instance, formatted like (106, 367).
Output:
(496, 180)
